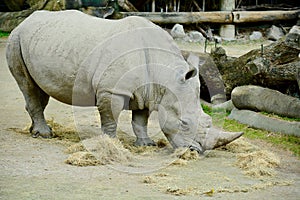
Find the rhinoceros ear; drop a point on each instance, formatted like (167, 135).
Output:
(183, 76)
(193, 60)
(191, 73)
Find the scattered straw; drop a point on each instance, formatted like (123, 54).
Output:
(63, 133)
(179, 191)
(75, 148)
(240, 146)
(186, 154)
(161, 143)
(82, 158)
(258, 163)
(148, 180)
(179, 162)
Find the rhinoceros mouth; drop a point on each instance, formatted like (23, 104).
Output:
(197, 148)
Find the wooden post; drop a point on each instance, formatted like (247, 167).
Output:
(227, 31)
(153, 5)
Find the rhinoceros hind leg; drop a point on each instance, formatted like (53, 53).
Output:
(36, 99)
(139, 125)
(36, 102)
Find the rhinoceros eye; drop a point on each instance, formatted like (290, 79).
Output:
(184, 125)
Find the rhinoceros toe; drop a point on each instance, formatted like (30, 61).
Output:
(144, 142)
(44, 132)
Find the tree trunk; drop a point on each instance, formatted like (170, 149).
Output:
(274, 66)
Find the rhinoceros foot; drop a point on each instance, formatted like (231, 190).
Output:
(216, 138)
(42, 131)
(144, 142)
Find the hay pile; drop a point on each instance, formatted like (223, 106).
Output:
(258, 163)
(75, 148)
(98, 150)
(63, 133)
(82, 158)
(240, 146)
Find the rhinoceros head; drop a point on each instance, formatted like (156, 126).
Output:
(180, 113)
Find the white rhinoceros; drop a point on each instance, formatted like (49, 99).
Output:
(112, 64)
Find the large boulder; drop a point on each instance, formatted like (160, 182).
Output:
(263, 99)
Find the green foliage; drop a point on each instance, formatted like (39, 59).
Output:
(4, 34)
(207, 109)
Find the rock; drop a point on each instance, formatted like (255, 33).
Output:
(212, 86)
(256, 35)
(177, 31)
(195, 36)
(256, 120)
(295, 29)
(275, 33)
(218, 98)
(263, 99)
(227, 106)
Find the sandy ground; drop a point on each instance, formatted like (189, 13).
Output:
(35, 168)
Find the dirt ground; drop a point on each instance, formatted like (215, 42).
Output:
(35, 168)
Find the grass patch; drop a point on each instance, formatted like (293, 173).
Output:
(287, 142)
(4, 34)
(280, 117)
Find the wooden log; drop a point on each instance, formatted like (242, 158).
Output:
(222, 17)
(184, 17)
(264, 16)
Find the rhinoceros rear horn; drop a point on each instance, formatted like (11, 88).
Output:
(216, 138)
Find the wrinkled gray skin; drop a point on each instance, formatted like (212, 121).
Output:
(123, 64)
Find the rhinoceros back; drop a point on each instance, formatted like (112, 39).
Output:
(55, 44)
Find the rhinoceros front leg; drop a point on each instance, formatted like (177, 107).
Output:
(139, 125)
(110, 107)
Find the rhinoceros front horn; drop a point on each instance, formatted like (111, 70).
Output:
(216, 138)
